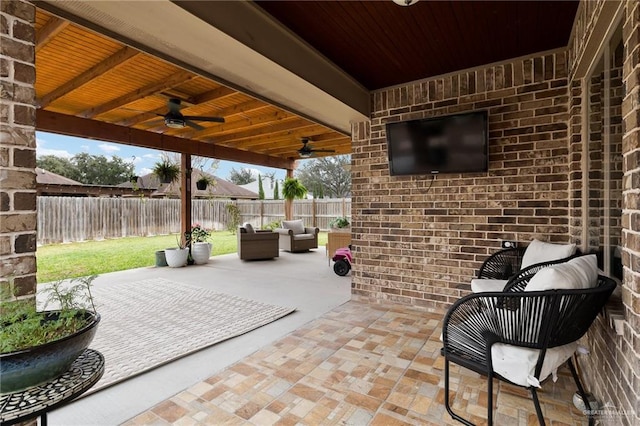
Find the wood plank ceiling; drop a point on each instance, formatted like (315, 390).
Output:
(426, 39)
(92, 86)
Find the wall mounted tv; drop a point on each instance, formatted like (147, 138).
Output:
(447, 144)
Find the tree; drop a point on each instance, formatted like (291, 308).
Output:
(89, 169)
(276, 192)
(329, 175)
(98, 170)
(241, 177)
(260, 188)
(58, 165)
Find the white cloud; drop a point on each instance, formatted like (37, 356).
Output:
(151, 156)
(85, 147)
(145, 171)
(108, 148)
(40, 152)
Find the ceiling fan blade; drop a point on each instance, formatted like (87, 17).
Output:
(208, 119)
(193, 125)
(323, 150)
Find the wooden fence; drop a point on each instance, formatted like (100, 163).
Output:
(70, 219)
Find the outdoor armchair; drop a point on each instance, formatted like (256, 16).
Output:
(295, 237)
(503, 266)
(522, 337)
(257, 244)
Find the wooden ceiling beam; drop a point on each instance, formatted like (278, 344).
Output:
(317, 134)
(53, 26)
(292, 136)
(48, 121)
(173, 80)
(284, 126)
(108, 65)
(245, 123)
(211, 95)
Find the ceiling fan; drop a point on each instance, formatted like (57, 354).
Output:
(175, 120)
(307, 151)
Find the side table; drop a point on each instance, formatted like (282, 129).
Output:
(36, 401)
(336, 240)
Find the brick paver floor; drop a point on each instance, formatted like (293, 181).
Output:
(358, 364)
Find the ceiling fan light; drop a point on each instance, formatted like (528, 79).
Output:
(174, 123)
(405, 2)
(305, 154)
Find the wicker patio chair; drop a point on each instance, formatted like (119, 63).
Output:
(502, 264)
(544, 321)
(259, 244)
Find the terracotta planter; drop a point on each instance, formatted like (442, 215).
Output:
(201, 252)
(176, 257)
(32, 366)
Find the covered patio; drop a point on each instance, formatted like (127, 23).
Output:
(333, 361)
(559, 82)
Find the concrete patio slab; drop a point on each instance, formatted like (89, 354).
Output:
(303, 280)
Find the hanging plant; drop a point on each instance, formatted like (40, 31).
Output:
(293, 188)
(203, 182)
(166, 171)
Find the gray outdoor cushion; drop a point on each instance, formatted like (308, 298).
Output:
(249, 228)
(303, 236)
(295, 225)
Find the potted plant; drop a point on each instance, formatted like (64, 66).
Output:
(38, 346)
(292, 188)
(341, 223)
(200, 248)
(203, 182)
(176, 257)
(166, 171)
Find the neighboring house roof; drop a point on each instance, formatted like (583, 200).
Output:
(52, 184)
(221, 188)
(46, 177)
(267, 186)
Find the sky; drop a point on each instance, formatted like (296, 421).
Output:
(142, 158)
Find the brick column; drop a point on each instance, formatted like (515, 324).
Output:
(630, 345)
(17, 147)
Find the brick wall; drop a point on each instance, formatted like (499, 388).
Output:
(17, 147)
(612, 369)
(419, 242)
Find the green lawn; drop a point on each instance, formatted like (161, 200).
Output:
(60, 261)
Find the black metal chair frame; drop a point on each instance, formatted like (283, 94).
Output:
(539, 320)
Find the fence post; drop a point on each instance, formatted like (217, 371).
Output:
(344, 208)
(261, 214)
(313, 212)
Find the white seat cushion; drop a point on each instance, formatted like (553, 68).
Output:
(295, 225)
(479, 285)
(581, 272)
(303, 236)
(539, 251)
(518, 364)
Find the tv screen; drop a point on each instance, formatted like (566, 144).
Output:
(448, 144)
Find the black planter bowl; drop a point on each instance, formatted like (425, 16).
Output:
(29, 367)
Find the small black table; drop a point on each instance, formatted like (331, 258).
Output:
(36, 401)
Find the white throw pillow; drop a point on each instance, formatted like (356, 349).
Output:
(295, 225)
(249, 228)
(480, 285)
(539, 251)
(581, 272)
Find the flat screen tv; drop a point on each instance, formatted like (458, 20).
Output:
(448, 144)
